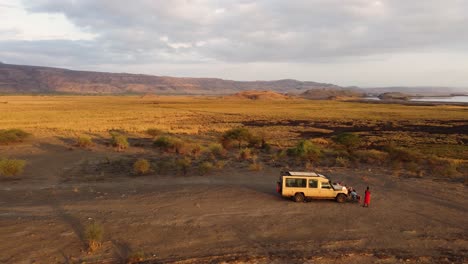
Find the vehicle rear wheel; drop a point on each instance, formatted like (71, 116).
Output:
(299, 197)
(341, 198)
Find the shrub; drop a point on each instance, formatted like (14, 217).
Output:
(403, 155)
(196, 150)
(342, 162)
(205, 168)
(163, 166)
(183, 165)
(11, 167)
(8, 136)
(239, 135)
(256, 166)
(220, 164)
(84, 142)
(141, 166)
(170, 144)
(371, 156)
(93, 234)
(154, 132)
(443, 168)
(119, 141)
(217, 150)
(305, 150)
(245, 154)
(349, 140)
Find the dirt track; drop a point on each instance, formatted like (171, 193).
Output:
(233, 216)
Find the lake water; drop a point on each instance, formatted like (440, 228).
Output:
(451, 99)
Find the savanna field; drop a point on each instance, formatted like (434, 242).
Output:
(191, 179)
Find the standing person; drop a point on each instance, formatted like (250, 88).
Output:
(366, 197)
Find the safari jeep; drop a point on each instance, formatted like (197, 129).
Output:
(309, 185)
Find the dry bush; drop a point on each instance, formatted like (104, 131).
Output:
(84, 141)
(401, 154)
(164, 166)
(256, 166)
(443, 168)
(8, 136)
(94, 233)
(205, 168)
(219, 164)
(11, 167)
(183, 165)
(196, 150)
(135, 257)
(154, 132)
(217, 150)
(245, 154)
(237, 135)
(349, 140)
(371, 156)
(119, 141)
(141, 166)
(171, 144)
(342, 162)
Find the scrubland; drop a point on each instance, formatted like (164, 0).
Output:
(190, 179)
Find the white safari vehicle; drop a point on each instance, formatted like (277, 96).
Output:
(309, 185)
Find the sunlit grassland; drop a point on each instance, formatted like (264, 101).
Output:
(197, 114)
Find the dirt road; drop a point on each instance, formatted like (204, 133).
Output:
(230, 216)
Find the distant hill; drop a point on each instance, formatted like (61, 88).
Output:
(35, 79)
(327, 93)
(258, 95)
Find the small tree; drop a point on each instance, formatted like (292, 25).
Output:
(305, 150)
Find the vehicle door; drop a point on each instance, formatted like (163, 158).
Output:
(313, 188)
(326, 190)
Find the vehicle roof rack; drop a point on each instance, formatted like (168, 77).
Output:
(303, 173)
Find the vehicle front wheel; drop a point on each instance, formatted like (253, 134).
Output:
(299, 197)
(341, 198)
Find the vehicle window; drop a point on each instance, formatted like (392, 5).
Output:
(292, 182)
(326, 185)
(313, 183)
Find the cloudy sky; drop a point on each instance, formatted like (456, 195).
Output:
(345, 42)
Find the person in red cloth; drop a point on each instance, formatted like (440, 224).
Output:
(367, 197)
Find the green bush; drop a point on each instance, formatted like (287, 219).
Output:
(154, 132)
(205, 168)
(349, 140)
(8, 136)
(119, 141)
(11, 167)
(239, 135)
(163, 166)
(84, 141)
(141, 166)
(305, 150)
(93, 235)
(170, 144)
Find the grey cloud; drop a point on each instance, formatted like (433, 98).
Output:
(257, 31)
